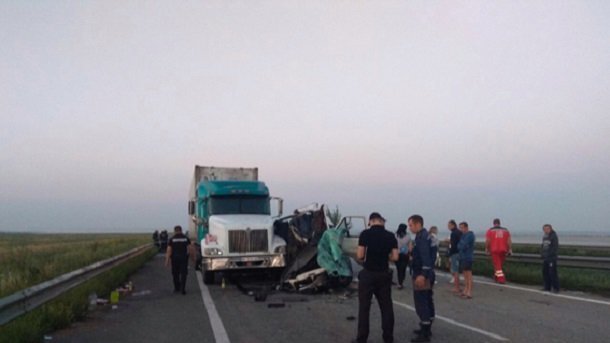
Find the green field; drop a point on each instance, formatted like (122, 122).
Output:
(29, 259)
(70, 306)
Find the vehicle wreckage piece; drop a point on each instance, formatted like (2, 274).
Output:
(310, 280)
(315, 258)
(333, 260)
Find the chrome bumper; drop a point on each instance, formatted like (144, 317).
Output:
(243, 262)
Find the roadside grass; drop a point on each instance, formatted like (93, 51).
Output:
(570, 278)
(29, 259)
(68, 307)
(576, 279)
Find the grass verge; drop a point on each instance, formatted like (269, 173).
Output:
(575, 279)
(29, 259)
(70, 306)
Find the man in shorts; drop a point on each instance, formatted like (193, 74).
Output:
(466, 249)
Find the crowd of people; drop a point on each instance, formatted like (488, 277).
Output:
(161, 239)
(377, 247)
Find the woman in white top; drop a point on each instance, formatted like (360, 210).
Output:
(404, 248)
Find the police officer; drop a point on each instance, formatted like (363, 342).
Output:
(376, 247)
(422, 273)
(178, 253)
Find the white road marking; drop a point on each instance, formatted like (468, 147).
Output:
(462, 325)
(532, 290)
(571, 297)
(220, 334)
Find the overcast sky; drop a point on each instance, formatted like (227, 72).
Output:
(468, 110)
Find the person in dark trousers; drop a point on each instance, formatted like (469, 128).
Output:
(432, 238)
(376, 247)
(454, 254)
(550, 247)
(155, 238)
(177, 254)
(422, 271)
(404, 249)
(163, 239)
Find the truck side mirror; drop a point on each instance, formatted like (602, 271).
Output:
(191, 207)
(280, 206)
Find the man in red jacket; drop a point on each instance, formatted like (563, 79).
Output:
(498, 244)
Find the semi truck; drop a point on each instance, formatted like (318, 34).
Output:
(231, 221)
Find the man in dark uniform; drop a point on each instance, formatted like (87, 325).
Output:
(550, 248)
(376, 247)
(422, 272)
(178, 253)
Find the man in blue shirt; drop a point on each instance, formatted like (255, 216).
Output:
(466, 251)
(422, 272)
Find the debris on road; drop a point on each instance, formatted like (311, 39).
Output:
(141, 293)
(92, 300)
(114, 296)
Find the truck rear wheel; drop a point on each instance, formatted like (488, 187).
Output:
(208, 277)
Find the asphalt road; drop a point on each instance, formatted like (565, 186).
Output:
(495, 314)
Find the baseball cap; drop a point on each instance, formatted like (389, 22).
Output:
(376, 215)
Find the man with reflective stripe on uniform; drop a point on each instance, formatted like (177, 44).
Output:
(422, 273)
(498, 244)
(177, 254)
(376, 248)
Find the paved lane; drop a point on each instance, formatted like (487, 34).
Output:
(496, 314)
(160, 316)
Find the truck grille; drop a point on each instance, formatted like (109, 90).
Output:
(241, 241)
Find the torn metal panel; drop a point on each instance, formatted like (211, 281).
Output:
(315, 257)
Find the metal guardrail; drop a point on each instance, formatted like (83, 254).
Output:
(26, 300)
(602, 263)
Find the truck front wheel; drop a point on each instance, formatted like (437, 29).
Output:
(208, 277)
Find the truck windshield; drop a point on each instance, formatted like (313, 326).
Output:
(237, 205)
